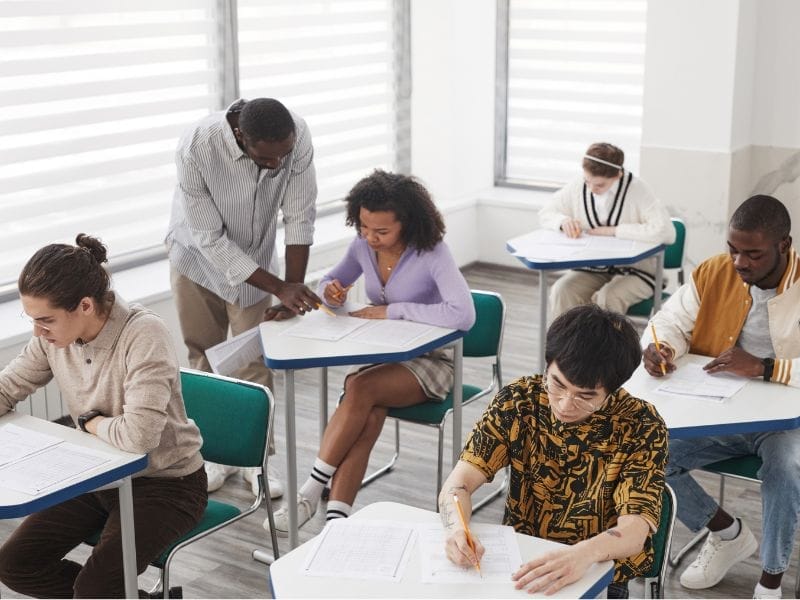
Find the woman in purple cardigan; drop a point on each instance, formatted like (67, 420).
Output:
(409, 274)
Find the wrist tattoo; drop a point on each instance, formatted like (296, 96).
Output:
(615, 532)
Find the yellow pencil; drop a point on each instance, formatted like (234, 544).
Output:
(468, 532)
(325, 309)
(658, 347)
(338, 294)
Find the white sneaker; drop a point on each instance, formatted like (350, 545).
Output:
(766, 593)
(217, 474)
(281, 516)
(250, 475)
(716, 557)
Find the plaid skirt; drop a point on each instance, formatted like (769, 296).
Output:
(433, 370)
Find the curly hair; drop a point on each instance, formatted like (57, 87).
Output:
(407, 198)
(65, 274)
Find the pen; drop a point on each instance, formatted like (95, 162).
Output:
(658, 347)
(325, 309)
(468, 532)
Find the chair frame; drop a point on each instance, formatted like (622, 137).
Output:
(654, 586)
(497, 381)
(161, 588)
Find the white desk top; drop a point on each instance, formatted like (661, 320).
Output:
(287, 582)
(290, 352)
(17, 504)
(614, 251)
(758, 406)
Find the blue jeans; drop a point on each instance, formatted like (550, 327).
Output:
(780, 485)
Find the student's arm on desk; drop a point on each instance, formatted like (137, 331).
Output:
(674, 324)
(558, 211)
(29, 371)
(655, 225)
(462, 482)
(346, 272)
(552, 571)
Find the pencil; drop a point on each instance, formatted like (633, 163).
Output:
(325, 309)
(658, 347)
(338, 294)
(468, 532)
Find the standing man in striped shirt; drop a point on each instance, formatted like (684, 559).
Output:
(236, 170)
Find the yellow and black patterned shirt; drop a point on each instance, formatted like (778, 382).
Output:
(570, 482)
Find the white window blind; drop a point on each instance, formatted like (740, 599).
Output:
(333, 62)
(93, 97)
(575, 76)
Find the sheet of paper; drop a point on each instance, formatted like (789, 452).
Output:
(692, 381)
(17, 443)
(389, 332)
(501, 559)
(320, 326)
(55, 465)
(231, 355)
(361, 549)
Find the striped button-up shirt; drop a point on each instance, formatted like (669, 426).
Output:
(225, 209)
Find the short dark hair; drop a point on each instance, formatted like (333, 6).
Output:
(593, 346)
(407, 198)
(266, 120)
(607, 152)
(65, 274)
(763, 213)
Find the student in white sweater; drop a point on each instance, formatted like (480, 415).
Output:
(607, 200)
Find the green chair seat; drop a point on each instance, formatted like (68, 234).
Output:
(645, 307)
(740, 466)
(432, 412)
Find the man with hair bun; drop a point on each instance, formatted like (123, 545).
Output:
(237, 170)
(742, 308)
(608, 201)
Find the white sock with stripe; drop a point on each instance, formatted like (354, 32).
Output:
(337, 510)
(320, 475)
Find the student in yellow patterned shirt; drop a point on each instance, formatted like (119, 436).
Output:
(587, 459)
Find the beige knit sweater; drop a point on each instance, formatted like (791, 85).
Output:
(129, 372)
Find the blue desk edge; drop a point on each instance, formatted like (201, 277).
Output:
(567, 264)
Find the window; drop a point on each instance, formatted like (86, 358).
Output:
(96, 93)
(571, 73)
(333, 63)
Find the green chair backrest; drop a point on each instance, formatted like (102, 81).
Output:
(483, 339)
(673, 255)
(664, 532)
(232, 416)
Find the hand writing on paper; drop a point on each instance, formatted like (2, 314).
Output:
(552, 571)
(335, 293)
(457, 549)
(571, 228)
(370, 312)
(295, 298)
(653, 359)
(606, 230)
(737, 361)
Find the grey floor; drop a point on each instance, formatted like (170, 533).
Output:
(221, 566)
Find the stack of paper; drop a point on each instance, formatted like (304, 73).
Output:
(235, 353)
(691, 381)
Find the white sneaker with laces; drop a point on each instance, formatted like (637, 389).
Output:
(250, 475)
(767, 593)
(716, 557)
(217, 474)
(304, 512)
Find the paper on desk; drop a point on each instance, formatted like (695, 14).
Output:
(17, 442)
(320, 326)
(691, 380)
(35, 474)
(500, 560)
(361, 549)
(555, 246)
(389, 332)
(235, 353)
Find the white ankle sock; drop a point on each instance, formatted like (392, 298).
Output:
(765, 592)
(320, 475)
(337, 510)
(731, 531)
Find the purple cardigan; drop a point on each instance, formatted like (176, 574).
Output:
(425, 287)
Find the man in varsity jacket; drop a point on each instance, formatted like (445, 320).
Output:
(609, 201)
(743, 309)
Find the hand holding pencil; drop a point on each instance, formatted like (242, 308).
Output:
(470, 538)
(335, 293)
(657, 357)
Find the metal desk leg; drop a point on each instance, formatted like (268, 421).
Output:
(458, 376)
(659, 283)
(323, 401)
(291, 459)
(542, 317)
(128, 538)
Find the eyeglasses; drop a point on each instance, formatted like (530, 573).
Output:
(33, 322)
(558, 393)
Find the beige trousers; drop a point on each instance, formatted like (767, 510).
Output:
(612, 292)
(205, 317)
